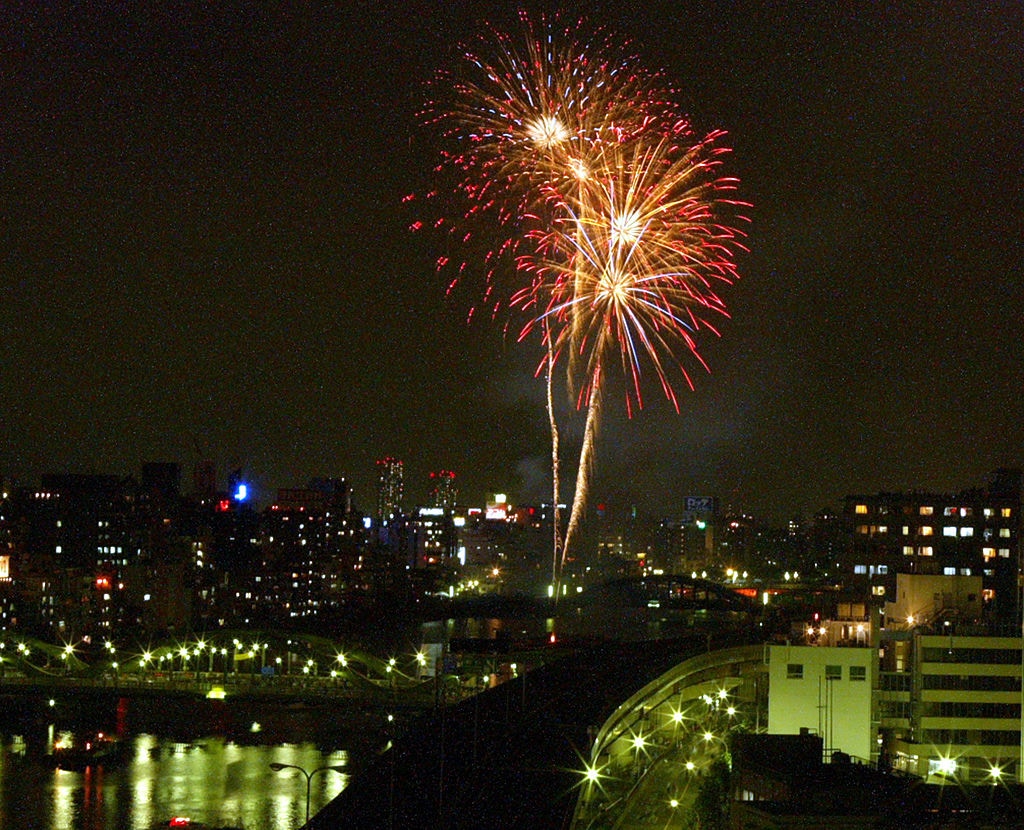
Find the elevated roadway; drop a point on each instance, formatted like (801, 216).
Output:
(517, 756)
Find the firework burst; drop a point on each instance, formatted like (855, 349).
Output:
(634, 261)
(632, 268)
(606, 223)
(519, 130)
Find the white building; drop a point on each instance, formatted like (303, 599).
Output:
(828, 691)
(938, 695)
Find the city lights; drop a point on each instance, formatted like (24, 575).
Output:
(256, 258)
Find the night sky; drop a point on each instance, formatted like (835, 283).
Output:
(204, 253)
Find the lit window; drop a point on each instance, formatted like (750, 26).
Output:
(926, 511)
(988, 553)
(862, 530)
(883, 529)
(908, 550)
(1004, 533)
(925, 551)
(1005, 512)
(858, 673)
(950, 511)
(989, 512)
(795, 671)
(860, 569)
(949, 571)
(883, 569)
(861, 509)
(878, 590)
(926, 530)
(967, 531)
(1004, 553)
(949, 530)
(906, 530)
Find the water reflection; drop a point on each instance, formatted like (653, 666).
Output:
(212, 780)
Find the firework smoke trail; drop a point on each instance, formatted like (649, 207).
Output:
(556, 486)
(521, 130)
(634, 270)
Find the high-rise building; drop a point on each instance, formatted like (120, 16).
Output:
(974, 532)
(442, 489)
(432, 537)
(389, 489)
(310, 551)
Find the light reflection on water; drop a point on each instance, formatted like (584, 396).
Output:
(211, 780)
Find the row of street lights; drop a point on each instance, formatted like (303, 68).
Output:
(703, 738)
(179, 657)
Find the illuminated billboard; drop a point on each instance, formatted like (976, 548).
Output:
(497, 508)
(700, 504)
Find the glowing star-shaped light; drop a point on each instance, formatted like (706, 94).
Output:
(625, 227)
(547, 131)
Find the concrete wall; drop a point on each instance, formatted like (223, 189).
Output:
(826, 690)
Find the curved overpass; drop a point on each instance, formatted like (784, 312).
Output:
(649, 756)
(518, 755)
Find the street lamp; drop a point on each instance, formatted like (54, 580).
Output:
(276, 767)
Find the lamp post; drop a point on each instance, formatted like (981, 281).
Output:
(276, 767)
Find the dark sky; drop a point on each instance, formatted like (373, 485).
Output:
(204, 252)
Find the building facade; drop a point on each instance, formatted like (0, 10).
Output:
(390, 489)
(827, 691)
(972, 533)
(933, 691)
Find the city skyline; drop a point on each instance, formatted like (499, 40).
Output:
(437, 489)
(206, 255)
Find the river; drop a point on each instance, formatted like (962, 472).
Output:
(182, 760)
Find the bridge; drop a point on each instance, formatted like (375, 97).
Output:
(652, 756)
(552, 747)
(257, 664)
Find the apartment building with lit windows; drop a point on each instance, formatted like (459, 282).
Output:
(390, 489)
(974, 532)
(934, 690)
(949, 699)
